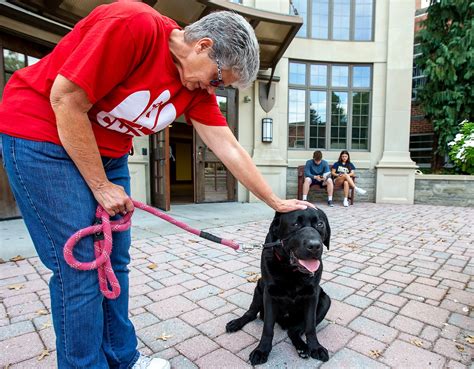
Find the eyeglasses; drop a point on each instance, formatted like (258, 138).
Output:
(219, 83)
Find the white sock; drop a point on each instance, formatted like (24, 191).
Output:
(345, 198)
(305, 197)
(329, 198)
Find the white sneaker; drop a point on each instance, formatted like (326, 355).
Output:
(360, 191)
(345, 203)
(145, 362)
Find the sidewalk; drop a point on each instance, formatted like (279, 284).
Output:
(400, 278)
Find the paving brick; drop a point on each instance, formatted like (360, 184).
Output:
(16, 329)
(235, 342)
(221, 359)
(373, 329)
(378, 314)
(358, 301)
(227, 281)
(171, 307)
(144, 320)
(283, 355)
(460, 277)
(164, 293)
(462, 321)
(20, 348)
(425, 313)
(448, 348)
(337, 291)
(425, 291)
(404, 355)
(430, 333)
(393, 299)
(202, 293)
(196, 347)
(176, 328)
(241, 299)
(398, 276)
(407, 325)
(334, 337)
(182, 362)
(216, 327)
(347, 358)
(364, 344)
(342, 313)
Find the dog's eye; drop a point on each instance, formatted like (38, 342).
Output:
(320, 224)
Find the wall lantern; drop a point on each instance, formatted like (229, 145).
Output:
(267, 129)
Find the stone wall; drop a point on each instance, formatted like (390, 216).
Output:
(444, 190)
(365, 179)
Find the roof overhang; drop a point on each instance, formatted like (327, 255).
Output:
(274, 31)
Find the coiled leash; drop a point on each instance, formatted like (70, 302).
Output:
(102, 230)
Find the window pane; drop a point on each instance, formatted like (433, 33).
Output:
(320, 19)
(301, 7)
(32, 60)
(296, 118)
(363, 20)
(317, 119)
(13, 60)
(341, 19)
(297, 73)
(340, 76)
(361, 76)
(360, 120)
(339, 101)
(319, 75)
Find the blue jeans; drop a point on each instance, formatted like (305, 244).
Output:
(55, 201)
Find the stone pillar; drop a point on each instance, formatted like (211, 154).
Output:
(395, 170)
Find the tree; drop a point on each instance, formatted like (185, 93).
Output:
(447, 61)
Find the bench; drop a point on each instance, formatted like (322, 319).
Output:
(316, 187)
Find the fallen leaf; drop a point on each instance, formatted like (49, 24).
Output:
(193, 241)
(469, 339)
(43, 355)
(465, 309)
(46, 325)
(164, 336)
(16, 287)
(42, 312)
(17, 258)
(221, 292)
(375, 353)
(254, 278)
(460, 347)
(152, 266)
(416, 342)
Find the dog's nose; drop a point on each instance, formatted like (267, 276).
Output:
(313, 245)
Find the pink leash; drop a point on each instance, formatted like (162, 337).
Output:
(102, 230)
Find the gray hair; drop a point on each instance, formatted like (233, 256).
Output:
(235, 43)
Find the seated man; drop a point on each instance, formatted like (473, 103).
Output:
(316, 171)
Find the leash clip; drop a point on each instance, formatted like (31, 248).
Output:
(98, 236)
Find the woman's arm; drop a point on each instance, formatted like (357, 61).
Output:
(70, 105)
(224, 144)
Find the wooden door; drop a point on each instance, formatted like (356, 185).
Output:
(160, 168)
(15, 53)
(212, 181)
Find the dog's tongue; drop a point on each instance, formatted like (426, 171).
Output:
(312, 265)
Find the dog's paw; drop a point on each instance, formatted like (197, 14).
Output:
(258, 356)
(233, 326)
(320, 353)
(303, 353)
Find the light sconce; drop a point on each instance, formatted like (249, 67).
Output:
(247, 99)
(267, 129)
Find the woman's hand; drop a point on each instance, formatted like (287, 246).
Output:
(113, 198)
(285, 206)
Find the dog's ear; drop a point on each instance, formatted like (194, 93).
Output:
(274, 230)
(327, 236)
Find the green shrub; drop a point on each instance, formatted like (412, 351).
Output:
(461, 149)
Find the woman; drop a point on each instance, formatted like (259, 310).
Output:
(343, 171)
(67, 124)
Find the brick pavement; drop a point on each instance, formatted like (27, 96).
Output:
(401, 280)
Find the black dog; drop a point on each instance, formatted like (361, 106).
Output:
(288, 291)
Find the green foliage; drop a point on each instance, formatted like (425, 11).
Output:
(461, 149)
(447, 61)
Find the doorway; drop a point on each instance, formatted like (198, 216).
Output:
(184, 170)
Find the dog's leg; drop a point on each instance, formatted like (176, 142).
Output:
(251, 314)
(316, 350)
(295, 333)
(260, 354)
(324, 302)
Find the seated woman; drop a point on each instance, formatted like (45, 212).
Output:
(343, 171)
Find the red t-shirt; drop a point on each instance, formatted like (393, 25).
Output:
(119, 55)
